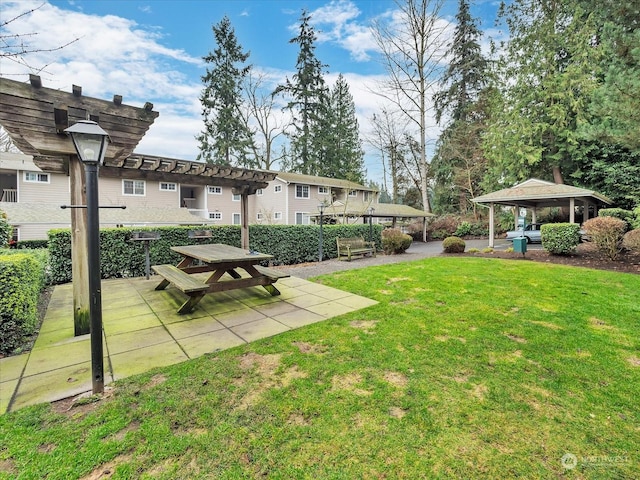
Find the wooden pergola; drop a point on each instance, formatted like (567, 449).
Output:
(35, 118)
(535, 194)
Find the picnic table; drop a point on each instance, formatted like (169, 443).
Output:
(218, 260)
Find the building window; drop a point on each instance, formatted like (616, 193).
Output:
(353, 193)
(277, 188)
(259, 192)
(277, 216)
(214, 190)
(302, 191)
(302, 218)
(236, 197)
(133, 187)
(168, 187)
(259, 216)
(215, 216)
(323, 190)
(367, 196)
(35, 177)
(236, 219)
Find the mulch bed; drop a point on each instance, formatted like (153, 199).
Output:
(585, 256)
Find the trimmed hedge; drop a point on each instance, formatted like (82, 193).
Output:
(120, 257)
(560, 238)
(5, 230)
(22, 278)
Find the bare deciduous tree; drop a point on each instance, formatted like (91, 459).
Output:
(412, 44)
(16, 47)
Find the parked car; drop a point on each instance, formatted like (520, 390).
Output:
(531, 233)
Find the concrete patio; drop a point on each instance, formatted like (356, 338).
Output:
(141, 330)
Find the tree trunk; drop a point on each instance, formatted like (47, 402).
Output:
(79, 254)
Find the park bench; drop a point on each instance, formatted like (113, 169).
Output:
(184, 282)
(348, 247)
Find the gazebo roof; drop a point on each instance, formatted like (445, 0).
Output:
(540, 193)
(382, 210)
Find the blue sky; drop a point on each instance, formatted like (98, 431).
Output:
(152, 51)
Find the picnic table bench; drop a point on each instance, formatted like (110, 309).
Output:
(350, 246)
(217, 261)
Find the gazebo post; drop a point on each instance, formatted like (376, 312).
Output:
(572, 210)
(534, 215)
(492, 228)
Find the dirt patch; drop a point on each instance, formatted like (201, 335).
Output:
(516, 338)
(397, 412)
(82, 404)
(349, 383)
(365, 325)
(8, 466)
(634, 361)
(305, 347)
(265, 364)
(549, 325)
(479, 391)
(298, 419)
(107, 470)
(396, 379)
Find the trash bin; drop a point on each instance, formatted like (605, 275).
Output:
(520, 245)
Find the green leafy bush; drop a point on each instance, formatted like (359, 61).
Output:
(394, 241)
(560, 238)
(606, 234)
(22, 277)
(32, 244)
(635, 223)
(620, 213)
(453, 245)
(5, 230)
(631, 240)
(121, 257)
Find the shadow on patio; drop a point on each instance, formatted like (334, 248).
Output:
(142, 330)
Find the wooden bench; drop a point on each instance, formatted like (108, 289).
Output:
(183, 282)
(348, 247)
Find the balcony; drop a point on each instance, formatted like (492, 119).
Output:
(9, 195)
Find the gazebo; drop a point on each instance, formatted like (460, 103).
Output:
(535, 194)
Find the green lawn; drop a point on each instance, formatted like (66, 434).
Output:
(467, 368)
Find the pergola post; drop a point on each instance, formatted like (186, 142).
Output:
(79, 265)
(244, 220)
(585, 211)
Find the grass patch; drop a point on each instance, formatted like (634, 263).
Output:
(467, 368)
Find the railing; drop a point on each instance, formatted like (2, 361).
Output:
(9, 195)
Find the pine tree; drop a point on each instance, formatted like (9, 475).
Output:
(345, 157)
(226, 139)
(308, 103)
(458, 165)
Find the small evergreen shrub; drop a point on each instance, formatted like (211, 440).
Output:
(453, 245)
(5, 230)
(394, 241)
(463, 229)
(442, 227)
(560, 238)
(606, 234)
(631, 240)
(635, 223)
(32, 244)
(509, 250)
(490, 250)
(473, 250)
(626, 216)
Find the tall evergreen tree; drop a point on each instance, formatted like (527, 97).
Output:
(226, 139)
(308, 103)
(458, 165)
(345, 157)
(548, 77)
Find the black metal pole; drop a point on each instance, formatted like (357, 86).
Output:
(320, 238)
(147, 262)
(95, 293)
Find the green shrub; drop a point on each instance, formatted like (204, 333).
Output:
(5, 230)
(32, 244)
(394, 241)
(560, 238)
(453, 245)
(631, 240)
(635, 223)
(473, 250)
(121, 257)
(463, 229)
(626, 216)
(606, 234)
(441, 227)
(22, 277)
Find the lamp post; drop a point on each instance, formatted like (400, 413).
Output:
(90, 141)
(371, 210)
(321, 209)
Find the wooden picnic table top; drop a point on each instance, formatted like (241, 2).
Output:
(213, 253)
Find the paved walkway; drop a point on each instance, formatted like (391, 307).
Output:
(142, 329)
